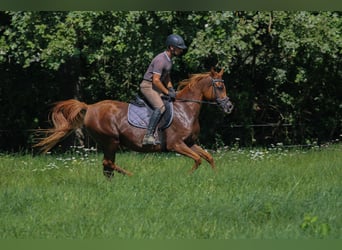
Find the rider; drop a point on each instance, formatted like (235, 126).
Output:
(157, 81)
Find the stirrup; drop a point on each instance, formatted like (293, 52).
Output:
(149, 140)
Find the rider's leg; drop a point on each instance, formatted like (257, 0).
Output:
(153, 97)
(149, 136)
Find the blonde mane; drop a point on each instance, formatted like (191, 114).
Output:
(192, 80)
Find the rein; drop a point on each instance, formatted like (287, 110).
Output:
(190, 100)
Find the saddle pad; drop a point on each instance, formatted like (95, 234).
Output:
(139, 116)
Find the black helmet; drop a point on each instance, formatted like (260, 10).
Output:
(176, 41)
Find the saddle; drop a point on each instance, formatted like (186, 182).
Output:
(139, 113)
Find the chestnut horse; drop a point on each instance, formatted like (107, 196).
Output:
(106, 122)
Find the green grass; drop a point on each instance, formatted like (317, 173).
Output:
(256, 194)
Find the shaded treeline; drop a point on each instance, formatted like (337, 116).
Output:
(281, 68)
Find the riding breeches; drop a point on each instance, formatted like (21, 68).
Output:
(153, 95)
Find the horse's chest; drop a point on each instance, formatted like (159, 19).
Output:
(194, 132)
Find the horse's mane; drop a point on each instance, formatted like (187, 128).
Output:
(192, 79)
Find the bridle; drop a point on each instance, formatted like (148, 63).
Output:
(219, 101)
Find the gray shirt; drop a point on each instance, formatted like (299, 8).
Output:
(161, 64)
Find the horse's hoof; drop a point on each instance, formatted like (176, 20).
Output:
(129, 173)
(108, 173)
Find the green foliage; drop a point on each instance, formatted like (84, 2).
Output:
(287, 64)
(311, 225)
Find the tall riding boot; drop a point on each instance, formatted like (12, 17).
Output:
(149, 138)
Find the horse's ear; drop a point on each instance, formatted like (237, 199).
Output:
(212, 70)
(221, 72)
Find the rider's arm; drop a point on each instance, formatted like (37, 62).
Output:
(169, 83)
(157, 82)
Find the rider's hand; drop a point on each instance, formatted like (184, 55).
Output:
(172, 93)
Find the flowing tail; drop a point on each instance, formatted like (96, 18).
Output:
(66, 117)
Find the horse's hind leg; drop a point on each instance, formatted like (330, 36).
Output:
(108, 171)
(109, 165)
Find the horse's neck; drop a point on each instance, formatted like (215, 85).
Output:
(190, 93)
(190, 99)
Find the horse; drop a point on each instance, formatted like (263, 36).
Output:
(106, 122)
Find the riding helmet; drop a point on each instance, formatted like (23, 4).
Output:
(176, 41)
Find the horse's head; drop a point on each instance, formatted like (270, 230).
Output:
(217, 91)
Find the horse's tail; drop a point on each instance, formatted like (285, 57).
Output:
(66, 117)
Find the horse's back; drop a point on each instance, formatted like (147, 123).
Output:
(101, 115)
(108, 104)
(107, 123)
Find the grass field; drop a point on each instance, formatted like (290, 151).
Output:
(256, 194)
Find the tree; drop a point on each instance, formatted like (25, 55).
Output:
(281, 67)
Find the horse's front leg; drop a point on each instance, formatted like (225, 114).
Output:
(183, 149)
(205, 155)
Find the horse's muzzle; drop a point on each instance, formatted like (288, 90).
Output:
(225, 104)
